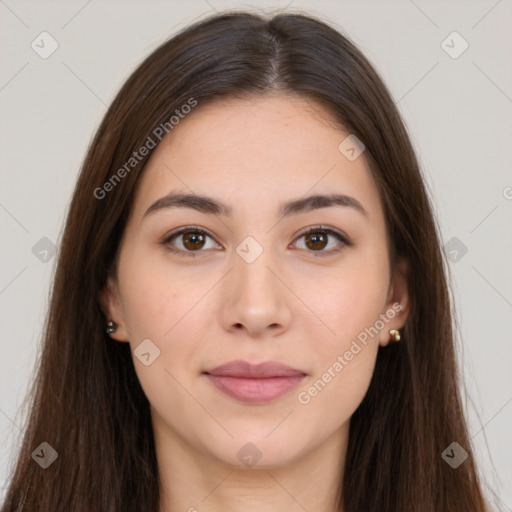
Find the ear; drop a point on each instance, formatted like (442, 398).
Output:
(398, 303)
(112, 307)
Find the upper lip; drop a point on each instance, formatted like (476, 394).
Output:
(245, 369)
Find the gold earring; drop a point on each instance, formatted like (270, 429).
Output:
(395, 334)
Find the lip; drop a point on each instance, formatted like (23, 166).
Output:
(254, 383)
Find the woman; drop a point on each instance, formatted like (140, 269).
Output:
(250, 308)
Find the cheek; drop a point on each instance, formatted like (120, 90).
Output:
(160, 307)
(155, 293)
(345, 360)
(347, 300)
(349, 304)
(164, 304)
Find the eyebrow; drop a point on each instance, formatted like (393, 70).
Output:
(209, 205)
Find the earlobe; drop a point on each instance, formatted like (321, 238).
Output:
(398, 306)
(112, 308)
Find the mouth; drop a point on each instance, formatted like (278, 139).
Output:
(254, 383)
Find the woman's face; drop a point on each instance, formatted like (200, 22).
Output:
(254, 287)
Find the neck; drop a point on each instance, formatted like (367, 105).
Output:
(194, 480)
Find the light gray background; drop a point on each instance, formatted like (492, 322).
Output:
(457, 110)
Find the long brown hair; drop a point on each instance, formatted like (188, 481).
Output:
(86, 401)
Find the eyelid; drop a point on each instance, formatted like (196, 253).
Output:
(327, 229)
(312, 229)
(185, 229)
(180, 231)
(342, 238)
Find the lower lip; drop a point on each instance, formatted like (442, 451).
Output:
(255, 391)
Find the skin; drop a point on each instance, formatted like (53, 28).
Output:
(290, 305)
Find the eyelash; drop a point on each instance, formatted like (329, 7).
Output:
(315, 229)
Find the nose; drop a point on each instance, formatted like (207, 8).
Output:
(255, 298)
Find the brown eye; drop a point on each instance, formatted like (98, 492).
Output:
(318, 238)
(188, 241)
(193, 240)
(316, 241)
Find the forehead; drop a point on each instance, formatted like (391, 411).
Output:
(256, 152)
